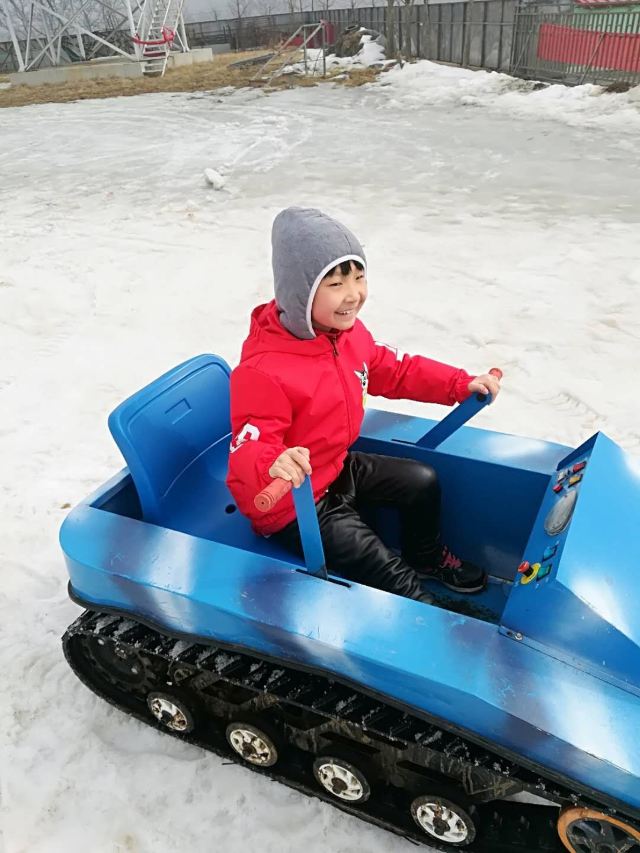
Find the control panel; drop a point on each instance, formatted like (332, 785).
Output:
(576, 595)
(545, 545)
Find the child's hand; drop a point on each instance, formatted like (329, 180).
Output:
(292, 465)
(486, 383)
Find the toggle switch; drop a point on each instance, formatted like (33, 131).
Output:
(544, 571)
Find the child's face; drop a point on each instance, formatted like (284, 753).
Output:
(338, 300)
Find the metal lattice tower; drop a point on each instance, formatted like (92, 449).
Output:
(57, 32)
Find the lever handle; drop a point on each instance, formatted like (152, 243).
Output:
(271, 494)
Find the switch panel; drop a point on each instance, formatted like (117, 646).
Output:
(560, 500)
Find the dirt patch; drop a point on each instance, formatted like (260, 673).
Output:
(618, 87)
(193, 78)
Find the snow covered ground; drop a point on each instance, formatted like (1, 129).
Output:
(370, 53)
(501, 227)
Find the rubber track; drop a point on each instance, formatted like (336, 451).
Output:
(503, 827)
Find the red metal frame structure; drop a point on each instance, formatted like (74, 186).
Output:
(168, 36)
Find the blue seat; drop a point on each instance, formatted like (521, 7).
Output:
(174, 435)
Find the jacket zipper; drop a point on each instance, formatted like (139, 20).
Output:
(336, 356)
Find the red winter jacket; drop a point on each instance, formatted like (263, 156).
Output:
(288, 392)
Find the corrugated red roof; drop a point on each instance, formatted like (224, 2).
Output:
(606, 2)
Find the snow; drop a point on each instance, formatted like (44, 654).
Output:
(427, 84)
(500, 226)
(370, 53)
(214, 178)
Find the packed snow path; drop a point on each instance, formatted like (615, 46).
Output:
(501, 228)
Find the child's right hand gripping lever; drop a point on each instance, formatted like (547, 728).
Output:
(459, 416)
(288, 470)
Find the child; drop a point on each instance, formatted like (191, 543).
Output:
(297, 404)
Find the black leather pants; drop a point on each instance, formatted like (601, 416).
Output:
(352, 549)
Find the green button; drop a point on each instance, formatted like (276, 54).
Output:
(544, 571)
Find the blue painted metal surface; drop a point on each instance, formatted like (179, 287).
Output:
(492, 484)
(583, 604)
(203, 572)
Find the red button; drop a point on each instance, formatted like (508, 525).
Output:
(579, 466)
(524, 567)
(557, 488)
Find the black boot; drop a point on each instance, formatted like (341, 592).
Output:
(457, 574)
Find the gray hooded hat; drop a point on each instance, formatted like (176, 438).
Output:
(306, 244)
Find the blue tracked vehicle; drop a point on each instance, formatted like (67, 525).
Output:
(427, 720)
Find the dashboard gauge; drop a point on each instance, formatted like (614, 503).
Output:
(560, 513)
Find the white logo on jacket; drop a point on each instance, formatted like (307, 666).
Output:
(364, 381)
(399, 354)
(249, 432)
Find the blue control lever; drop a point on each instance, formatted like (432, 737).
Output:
(307, 519)
(459, 416)
(309, 529)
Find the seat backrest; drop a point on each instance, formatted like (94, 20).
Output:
(168, 425)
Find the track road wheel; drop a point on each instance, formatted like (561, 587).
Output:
(444, 820)
(341, 778)
(171, 711)
(255, 743)
(584, 830)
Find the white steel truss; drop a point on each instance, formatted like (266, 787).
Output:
(163, 25)
(56, 32)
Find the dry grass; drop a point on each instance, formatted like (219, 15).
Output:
(192, 78)
(360, 76)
